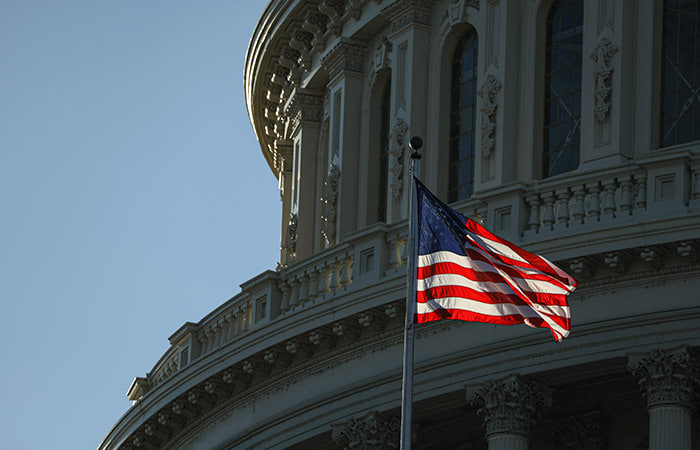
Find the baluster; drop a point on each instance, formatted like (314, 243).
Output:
(548, 219)
(294, 295)
(219, 331)
(563, 207)
(212, 337)
(579, 211)
(236, 325)
(403, 250)
(284, 304)
(303, 288)
(533, 201)
(228, 332)
(625, 195)
(313, 284)
(594, 202)
(203, 342)
(248, 317)
(347, 271)
(641, 200)
(609, 198)
(325, 274)
(334, 278)
(395, 252)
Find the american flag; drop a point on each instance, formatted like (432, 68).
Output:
(466, 273)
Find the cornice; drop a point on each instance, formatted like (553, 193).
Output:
(318, 350)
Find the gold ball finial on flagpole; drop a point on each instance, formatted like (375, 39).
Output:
(415, 144)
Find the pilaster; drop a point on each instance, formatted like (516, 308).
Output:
(345, 66)
(304, 108)
(410, 37)
(284, 149)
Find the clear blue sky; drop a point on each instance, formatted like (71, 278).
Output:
(133, 198)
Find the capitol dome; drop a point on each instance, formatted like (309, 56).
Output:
(569, 127)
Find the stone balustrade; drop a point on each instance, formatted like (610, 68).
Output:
(587, 205)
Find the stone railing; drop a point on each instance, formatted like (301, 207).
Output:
(168, 364)
(585, 201)
(647, 198)
(317, 279)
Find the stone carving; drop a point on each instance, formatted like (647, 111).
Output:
(509, 406)
(396, 151)
(291, 245)
(373, 431)
(602, 55)
(301, 41)
(329, 201)
(346, 56)
(303, 106)
(584, 432)
(687, 249)
(616, 261)
(315, 23)
(488, 93)
(334, 9)
(382, 56)
(582, 267)
(354, 9)
(403, 13)
(289, 59)
(652, 256)
(666, 377)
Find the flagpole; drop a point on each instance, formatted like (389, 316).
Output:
(407, 389)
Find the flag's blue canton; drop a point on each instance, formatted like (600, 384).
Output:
(440, 228)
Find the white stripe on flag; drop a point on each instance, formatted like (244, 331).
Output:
(488, 309)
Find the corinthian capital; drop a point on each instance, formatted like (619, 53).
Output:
(667, 377)
(372, 431)
(509, 406)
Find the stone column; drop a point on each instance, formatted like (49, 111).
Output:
(667, 379)
(373, 431)
(507, 408)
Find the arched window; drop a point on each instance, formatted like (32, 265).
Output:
(562, 103)
(680, 73)
(462, 117)
(384, 111)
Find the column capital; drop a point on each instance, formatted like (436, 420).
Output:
(371, 431)
(666, 377)
(347, 55)
(403, 13)
(510, 405)
(303, 106)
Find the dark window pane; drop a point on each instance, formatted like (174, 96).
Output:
(563, 87)
(680, 72)
(462, 117)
